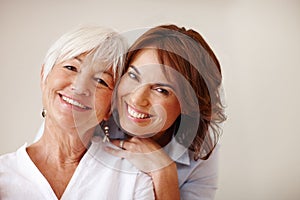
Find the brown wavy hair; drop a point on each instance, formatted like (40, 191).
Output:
(187, 52)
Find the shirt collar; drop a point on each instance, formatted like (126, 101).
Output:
(177, 152)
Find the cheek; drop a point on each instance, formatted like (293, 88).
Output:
(50, 88)
(122, 89)
(102, 103)
(56, 80)
(123, 92)
(173, 111)
(125, 86)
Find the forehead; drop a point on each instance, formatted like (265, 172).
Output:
(150, 69)
(145, 57)
(147, 65)
(87, 62)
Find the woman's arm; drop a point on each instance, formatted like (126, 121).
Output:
(146, 155)
(165, 183)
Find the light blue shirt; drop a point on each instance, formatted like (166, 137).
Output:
(197, 179)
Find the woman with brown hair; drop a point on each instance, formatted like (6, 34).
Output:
(168, 105)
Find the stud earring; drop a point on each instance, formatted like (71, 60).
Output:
(106, 132)
(44, 112)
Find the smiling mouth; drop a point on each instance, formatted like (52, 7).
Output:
(137, 115)
(74, 102)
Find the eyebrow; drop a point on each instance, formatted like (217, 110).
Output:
(165, 85)
(156, 84)
(78, 59)
(108, 73)
(104, 72)
(135, 69)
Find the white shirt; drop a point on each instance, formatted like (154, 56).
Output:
(93, 179)
(197, 179)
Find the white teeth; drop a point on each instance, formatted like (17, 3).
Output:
(136, 115)
(75, 103)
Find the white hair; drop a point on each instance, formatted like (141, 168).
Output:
(103, 44)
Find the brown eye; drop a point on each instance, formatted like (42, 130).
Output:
(162, 91)
(70, 67)
(101, 81)
(133, 76)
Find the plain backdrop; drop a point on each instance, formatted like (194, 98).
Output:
(257, 43)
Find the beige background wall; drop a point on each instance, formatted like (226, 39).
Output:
(257, 43)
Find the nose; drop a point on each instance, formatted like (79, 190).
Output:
(80, 86)
(140, 96)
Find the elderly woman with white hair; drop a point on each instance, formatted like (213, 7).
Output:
(68, 162)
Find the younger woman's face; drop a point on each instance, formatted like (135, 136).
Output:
(147, 102)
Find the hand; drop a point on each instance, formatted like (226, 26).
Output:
(144, 153)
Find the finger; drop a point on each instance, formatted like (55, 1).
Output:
(125, 145)
(118, 143)
(115, 152)
(149, 142)
(134, 139)
(121, 145)
(139, 140)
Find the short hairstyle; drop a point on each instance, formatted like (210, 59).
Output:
(105, 45)
(187, 52)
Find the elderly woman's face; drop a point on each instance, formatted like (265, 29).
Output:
(77, 95)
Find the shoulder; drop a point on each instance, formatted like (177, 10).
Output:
(144, 187)
(10, 161)
(209, 165)
(199, 179)
(200, 169)
(7, 161)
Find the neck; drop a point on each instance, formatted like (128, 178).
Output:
(162, 138)
(61, 147)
